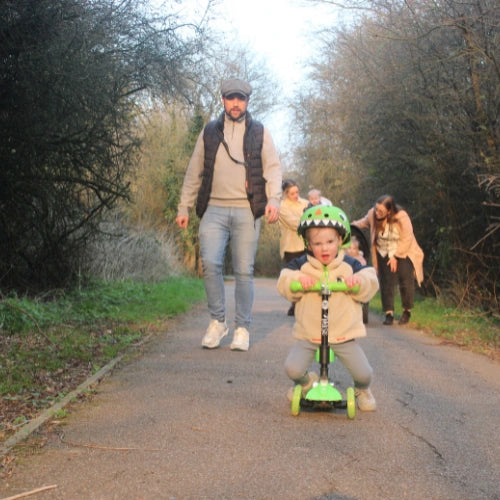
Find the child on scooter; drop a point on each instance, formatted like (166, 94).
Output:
(326, 232)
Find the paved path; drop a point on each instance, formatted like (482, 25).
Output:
(181, 422)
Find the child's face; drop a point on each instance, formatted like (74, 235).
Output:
(314, 199)
(324, 243)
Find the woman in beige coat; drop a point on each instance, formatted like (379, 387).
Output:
(292, 207)
(396, 255)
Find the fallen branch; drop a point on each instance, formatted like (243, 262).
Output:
(32, 492)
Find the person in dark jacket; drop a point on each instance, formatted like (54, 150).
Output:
(234, 176)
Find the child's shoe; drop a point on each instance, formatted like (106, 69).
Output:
(366, 401)
(313, 377)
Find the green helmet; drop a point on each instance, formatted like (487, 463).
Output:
(326, 216)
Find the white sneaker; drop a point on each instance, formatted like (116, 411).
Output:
(313, 378)
(240, 339)
(366, 401)
(216, 331)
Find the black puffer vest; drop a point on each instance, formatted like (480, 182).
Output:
(252, 149)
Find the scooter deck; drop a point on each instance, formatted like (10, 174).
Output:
(324, 398)
(323, 405)
(323, 391)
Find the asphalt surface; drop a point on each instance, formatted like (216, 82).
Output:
(182, 422)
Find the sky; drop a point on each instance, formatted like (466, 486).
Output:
(282, 32)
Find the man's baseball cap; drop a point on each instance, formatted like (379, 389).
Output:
(236, 86)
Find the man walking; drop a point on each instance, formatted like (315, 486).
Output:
(234, 176)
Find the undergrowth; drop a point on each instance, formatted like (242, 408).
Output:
(47, 348)
(476, 330)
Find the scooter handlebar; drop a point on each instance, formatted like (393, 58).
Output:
(335, 286)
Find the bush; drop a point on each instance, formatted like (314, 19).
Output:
(268, 262)
(122, 252)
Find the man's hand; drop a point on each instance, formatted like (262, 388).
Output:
(182, 221)
(272, 213)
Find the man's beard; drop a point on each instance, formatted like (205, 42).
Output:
(240, 117)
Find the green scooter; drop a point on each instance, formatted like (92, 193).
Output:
(324, 395)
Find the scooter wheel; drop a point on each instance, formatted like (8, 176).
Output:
(297, 395)
(351, 403)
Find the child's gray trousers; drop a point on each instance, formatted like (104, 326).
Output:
(349, 353)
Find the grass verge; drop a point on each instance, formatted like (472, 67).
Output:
(47, 348)
(474, 330)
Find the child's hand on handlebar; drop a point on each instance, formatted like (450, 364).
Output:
(352, 281)
(307, 281)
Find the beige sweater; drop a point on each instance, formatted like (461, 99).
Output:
(290, 214)
(345, 317)
(228, 186)
(407, 245)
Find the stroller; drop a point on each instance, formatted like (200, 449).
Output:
(363, 238)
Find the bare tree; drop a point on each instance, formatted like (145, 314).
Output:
(74, 74)
(410, 95)
(173, 126)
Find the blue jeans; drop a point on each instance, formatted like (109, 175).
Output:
(219, 227)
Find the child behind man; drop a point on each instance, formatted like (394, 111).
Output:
(326, 231)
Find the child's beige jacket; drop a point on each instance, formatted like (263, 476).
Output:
(345, 317)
